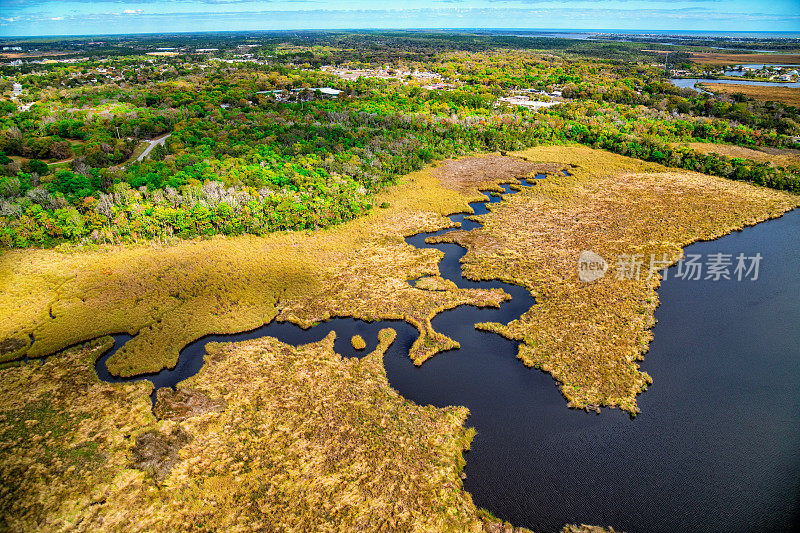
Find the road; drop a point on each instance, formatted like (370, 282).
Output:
(153, 144)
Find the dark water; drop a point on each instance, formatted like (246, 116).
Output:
(716, 447)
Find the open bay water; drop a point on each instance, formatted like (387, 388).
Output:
(715, 448)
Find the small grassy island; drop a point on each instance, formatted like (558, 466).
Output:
(358, 342)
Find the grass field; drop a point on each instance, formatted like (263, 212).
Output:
(762, 93)
(721, 58)
(290, 439)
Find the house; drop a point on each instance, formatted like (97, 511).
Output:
(328, 91)
(525, 101)
(17, 89)
(437, 87)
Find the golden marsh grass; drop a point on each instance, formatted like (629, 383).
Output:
(762, 93)
(266, 437)
(590, 336)
(782, 157)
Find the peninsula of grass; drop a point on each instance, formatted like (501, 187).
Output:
(266, 437)
(762, 93)
(591, 336)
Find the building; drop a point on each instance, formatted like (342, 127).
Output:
(438, 87)
(525, 101)
(17, 89)
(325, 92)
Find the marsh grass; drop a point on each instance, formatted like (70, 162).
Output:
(169, 296)
(64, 438)
(434, 283)
(358, 343)
(782, 157)
(266, 437)
(762, 93)
(591, 336)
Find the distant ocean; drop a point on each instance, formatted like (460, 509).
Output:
(577, 33)
(563, 33)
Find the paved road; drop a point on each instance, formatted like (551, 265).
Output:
(153, 144)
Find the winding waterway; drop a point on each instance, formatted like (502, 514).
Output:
(714, 449)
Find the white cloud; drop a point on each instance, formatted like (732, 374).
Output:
(56, 18)
(131, 11)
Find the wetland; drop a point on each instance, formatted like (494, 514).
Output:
(671, 451)
(530, 461)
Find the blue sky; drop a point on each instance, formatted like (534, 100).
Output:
(79, 17)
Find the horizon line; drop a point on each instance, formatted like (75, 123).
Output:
(613, 31)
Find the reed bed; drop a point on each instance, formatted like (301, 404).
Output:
(782, 157)
(358, 342)
(762, 93)
(169, 296)
(266, 437)
(591, 336)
